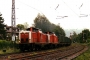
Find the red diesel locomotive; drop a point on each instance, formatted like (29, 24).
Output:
(35, 39)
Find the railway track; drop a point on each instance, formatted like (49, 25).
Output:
(44, 55)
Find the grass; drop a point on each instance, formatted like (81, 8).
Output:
(85, 55)
(9, 46)
(9, 50)
(13, 50)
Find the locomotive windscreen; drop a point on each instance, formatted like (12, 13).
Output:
(24, 37)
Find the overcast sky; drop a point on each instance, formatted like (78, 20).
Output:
(78, 12)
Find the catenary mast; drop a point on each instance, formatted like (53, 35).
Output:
(13, 19)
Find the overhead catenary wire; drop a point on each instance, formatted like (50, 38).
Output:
(81, 6)
(82, 15)
(57, 6)
(70, 8)
(31, 7)
(60, 17)
(39, 10)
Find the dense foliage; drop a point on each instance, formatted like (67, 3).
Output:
(23, 26)
(42, 22)
(84, 36)
(2, 28)
(20, 26)
(7, 44)
(26, 25)
(85, 55)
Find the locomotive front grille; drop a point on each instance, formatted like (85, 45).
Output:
(22, 40)
(27, 40)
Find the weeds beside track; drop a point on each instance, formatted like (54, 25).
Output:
(57, 54)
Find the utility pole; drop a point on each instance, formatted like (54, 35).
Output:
(71, 37)
(13, 20)
(83, 37)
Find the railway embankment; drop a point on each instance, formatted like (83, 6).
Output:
(85, 55)
(55, 54)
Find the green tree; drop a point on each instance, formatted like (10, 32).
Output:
(2, 28)
(42, 22)
(74, 36)
(52, 27)
(85, 34)
(79, 37)
(20, 26)
(26, 25)
(59, 31)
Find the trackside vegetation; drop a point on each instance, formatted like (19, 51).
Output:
(7, 44)
(8, 47)
(85, 55)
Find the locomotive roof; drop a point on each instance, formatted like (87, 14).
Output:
(50, 32)
(23, 31)
(32, 28)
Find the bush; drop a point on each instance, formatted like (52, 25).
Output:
(7, 44)
(88, 40)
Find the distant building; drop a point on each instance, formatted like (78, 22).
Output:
(10, 31)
